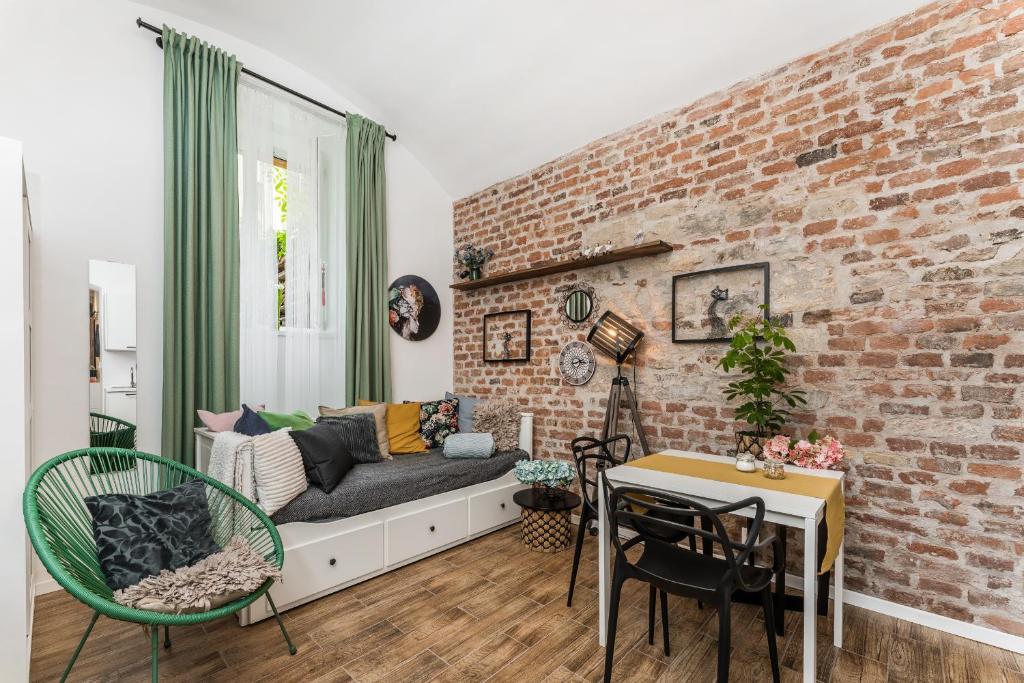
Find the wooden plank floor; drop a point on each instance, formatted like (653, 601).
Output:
(493, 610)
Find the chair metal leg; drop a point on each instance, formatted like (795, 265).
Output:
(613, 618)
(773, 651)
(664, 619)
(651, 605)
(580, 533)
(280, 622)
(167, 637)
(81, 643)
(154, 637)
(724, 636)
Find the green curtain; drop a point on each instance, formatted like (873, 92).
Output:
(200, 238)
(367, 351)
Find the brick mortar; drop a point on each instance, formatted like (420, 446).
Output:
(882, 178)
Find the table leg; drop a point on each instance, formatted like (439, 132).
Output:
(603, 584)
(810, 584)
(837, 600)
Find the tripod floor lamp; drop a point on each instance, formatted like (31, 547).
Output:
(617, 339)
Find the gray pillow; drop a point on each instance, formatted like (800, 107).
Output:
(358, 435)
(140, 536)
(466, 406)
(469, 445)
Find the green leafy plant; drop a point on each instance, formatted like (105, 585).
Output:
(758, 351)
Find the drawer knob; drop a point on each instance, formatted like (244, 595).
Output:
(502, 506)
(431, 528)
(333, 562)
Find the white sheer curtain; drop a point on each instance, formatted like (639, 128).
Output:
(289, 362)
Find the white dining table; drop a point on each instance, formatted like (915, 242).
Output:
(791, 510)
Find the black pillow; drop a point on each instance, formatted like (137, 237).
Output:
(358, 434)
(250, 423)
(323, 453)
(139, 536)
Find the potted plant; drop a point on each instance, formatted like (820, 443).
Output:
(473, 259)
(758, 351)
(551, 476)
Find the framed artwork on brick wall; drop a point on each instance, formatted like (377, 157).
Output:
(703, 302)
(507, 337)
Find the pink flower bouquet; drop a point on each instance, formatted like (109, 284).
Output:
(825, 453)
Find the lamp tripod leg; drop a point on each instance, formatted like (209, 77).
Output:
(635, 412)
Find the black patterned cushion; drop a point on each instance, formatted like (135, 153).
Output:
(358, 435)
(438, 419)
(140, 536)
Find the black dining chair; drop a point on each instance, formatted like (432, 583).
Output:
(593, 456)
(657, 517)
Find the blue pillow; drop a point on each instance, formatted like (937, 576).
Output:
(466, 407)
(251, 424)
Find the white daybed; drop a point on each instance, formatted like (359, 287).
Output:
(324, 557)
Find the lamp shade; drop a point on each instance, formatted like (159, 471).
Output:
(614, 337)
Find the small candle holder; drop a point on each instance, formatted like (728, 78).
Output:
(745, 462)
(774, 469)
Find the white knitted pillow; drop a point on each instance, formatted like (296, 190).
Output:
(280, 474)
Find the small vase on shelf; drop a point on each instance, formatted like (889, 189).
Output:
(475, 274)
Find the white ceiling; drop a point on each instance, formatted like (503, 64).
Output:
(482, 90)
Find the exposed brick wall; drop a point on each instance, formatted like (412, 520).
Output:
(882, 180)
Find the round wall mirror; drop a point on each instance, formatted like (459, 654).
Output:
(578, 306)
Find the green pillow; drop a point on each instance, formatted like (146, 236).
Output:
(296, 420)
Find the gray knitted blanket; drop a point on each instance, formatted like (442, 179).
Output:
(373, 486)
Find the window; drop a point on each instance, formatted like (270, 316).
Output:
(280, 230)
(291, 253)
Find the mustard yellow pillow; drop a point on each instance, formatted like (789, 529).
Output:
(404, 428)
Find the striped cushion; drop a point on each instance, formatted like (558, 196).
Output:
(280, 475)
(469, 445)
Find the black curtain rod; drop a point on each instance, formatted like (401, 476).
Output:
(160, 43)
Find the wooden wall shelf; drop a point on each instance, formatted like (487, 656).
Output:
(622, 254)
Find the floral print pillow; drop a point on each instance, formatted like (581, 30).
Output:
(438, 419)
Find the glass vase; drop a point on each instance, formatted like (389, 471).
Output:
(774, 469)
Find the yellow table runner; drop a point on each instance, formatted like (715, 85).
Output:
(828, 489)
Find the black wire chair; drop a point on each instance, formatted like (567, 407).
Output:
(593, 456)
(658, 518)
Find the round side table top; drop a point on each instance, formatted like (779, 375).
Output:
(538, 499)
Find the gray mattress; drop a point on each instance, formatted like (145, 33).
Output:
(392, 482)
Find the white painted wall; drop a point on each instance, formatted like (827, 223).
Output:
(83, 91)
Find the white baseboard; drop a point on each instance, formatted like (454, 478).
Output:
(46, 585)
(981, 634)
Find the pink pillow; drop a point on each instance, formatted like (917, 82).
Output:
(223, 422)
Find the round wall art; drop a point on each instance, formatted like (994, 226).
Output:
(413, 307)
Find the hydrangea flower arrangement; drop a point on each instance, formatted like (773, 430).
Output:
(549, 473)
(814, 452)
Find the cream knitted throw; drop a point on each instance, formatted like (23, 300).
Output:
(216, 580)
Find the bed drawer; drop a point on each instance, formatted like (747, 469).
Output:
(320, 565)
(492, 508)
(421, 531)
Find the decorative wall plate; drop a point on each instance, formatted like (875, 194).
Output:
(413, 308)
(576, 363)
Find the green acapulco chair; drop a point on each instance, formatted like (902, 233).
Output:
(110, 432)
(60, 528)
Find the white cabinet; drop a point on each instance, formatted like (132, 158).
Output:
(120, 404)
(16, 595)
(118, 307)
